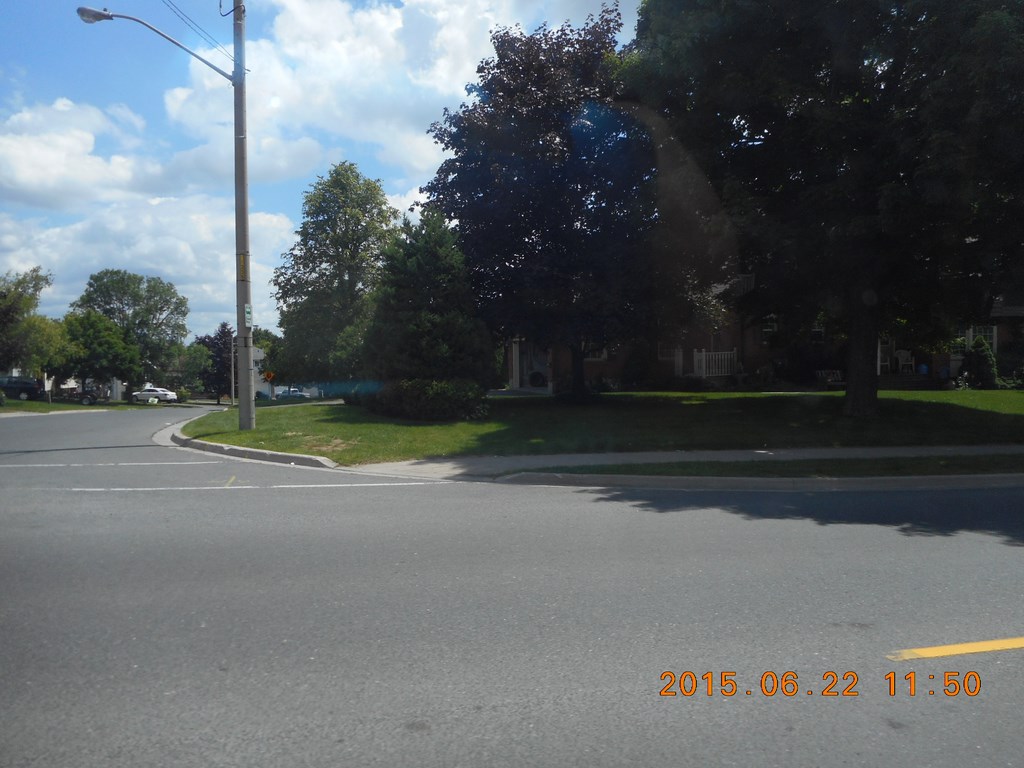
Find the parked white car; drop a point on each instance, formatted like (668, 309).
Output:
(161, 394)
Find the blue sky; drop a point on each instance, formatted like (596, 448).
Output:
(116, 147)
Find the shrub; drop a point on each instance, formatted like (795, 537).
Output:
(360, 393)
(183, 395)
(430, 400)
(3, 398)
(979, 365)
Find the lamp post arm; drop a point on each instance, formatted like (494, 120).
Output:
(168, 38)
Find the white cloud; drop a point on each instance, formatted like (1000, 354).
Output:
(376, 73)
(328, 80)
(186, 241)
(48, 156)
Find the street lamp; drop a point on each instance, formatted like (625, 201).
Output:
(243, 283)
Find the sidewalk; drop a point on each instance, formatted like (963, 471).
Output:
(529, 469)
(523, 469)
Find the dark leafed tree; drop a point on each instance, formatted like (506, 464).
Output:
(322, 285)
(424, 322)
(867, 151)
(553, 190)
(217, 377)
(148, 310)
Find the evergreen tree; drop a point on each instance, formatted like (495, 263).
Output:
(424, 323)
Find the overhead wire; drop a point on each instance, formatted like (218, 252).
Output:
(197, 29)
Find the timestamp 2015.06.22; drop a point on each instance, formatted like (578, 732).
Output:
(831, 684)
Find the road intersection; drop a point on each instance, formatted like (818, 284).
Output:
(165, 606)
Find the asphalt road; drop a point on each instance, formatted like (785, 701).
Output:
(164, 607)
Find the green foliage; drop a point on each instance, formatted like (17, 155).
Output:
(322, 285)
(96, 350)
(424, 323)
(979, 366)
(19, 298)
(216, 377)
(189, 366)
(429, 400)
(149, 311)
(43, 344)
(553, 190)
(270, 343)
(868, 154)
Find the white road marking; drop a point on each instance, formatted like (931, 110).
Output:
(110, 464)
(246, 487)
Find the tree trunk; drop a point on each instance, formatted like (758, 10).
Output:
(861, 400)
(579, 380)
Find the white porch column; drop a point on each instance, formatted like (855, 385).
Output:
(516, 376)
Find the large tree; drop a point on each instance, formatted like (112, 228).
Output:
(44, 343)
(149, 311)
(868, 151)
(19, 298)
(553, 188)
(322, 285)
(424, 322)
(96, 350)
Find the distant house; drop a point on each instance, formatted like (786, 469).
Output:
(1004, 332)
(744, 349)
(735, 348)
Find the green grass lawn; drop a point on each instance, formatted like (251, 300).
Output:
(631, 422)
(40, 406)
(43, 406)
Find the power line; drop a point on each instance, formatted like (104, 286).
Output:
(197, 29)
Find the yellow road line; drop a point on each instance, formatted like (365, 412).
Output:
(934, 651)
(230, 482)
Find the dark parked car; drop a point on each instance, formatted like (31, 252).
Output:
(292, 393)
(22, 387)
(86, 396)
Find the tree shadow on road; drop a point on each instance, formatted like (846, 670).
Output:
(995, 512)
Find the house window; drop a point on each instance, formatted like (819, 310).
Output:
(593, 352)
(987, 332)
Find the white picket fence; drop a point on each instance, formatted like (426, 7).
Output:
(707, 364)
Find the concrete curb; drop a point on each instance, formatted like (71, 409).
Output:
(254, 454)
